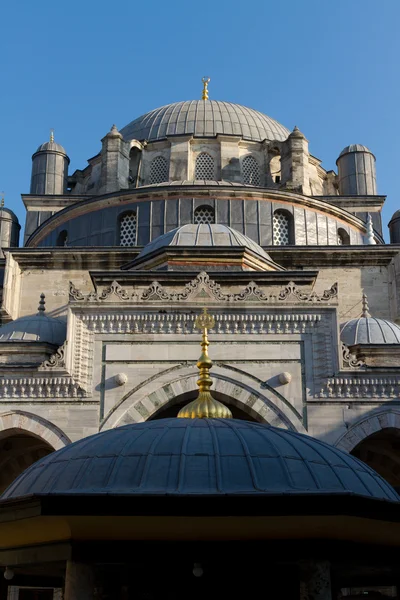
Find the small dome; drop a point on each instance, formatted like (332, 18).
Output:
(199, 456)
(35, 328)
(368, 330)
(51, 147)
(354, 148)
(8, 215)
(205, 118)
(203, 235)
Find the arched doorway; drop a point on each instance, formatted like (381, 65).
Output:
(381, 451)
(19, 449)
(173, 407)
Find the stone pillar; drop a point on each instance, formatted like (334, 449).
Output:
(178, 162)
(315, 581)
(230, 161)
(79, 581)
(114, 163)
(294, 163)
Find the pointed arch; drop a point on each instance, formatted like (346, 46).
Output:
(243, 391)
(18, 420)
(365, 427)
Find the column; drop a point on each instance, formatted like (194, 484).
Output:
(315, 581)
(79, 581)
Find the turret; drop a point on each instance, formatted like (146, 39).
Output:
(9, 228)
(357, 173)
(49, 169)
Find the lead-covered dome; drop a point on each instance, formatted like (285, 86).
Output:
(369, 330)
(212, 234)
(212, 457)
(205, 118)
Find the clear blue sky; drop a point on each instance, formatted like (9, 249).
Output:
(329, 67)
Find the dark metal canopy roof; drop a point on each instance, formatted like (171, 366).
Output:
(199, 457)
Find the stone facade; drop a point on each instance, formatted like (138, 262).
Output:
(131, 346)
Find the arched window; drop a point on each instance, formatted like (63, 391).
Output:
(282, 228)
(158, 170)
(250, 170)
(343, 238)
(62, 238)
(127, 229)
(204, 167)
(204, 214)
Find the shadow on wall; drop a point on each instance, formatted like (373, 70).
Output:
(373, 437)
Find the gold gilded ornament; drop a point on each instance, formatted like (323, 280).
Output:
(206, 81)
(205, 406)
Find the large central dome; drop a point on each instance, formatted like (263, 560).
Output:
(205, 118)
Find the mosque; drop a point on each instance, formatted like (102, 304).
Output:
(119, 477)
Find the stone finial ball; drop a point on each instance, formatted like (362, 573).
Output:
(120, 378)
(285, 377)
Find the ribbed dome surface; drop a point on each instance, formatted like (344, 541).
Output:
(51, 147)
(34, 328)
(368, 330)
(203, 235)
(355, 148)
(205, 118)
(199, 456)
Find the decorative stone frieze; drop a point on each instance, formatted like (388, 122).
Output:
(251, 292)
(361, 387)
(202, 282)
(172, 323)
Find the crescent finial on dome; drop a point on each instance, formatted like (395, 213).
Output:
(206, 81)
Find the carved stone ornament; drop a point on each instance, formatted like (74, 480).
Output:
(156, 292)
(56, 360)
(350, 360)
(113, 289)
(251, 292)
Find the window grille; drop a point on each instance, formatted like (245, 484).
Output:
(158, 170)
(204, 167)
(204, 214)
(250, 170)
(127, 230)
(281, 229)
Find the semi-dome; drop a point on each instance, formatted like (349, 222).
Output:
(212, 234)
(35, 328)
(205, 118)
(212, 457)
(369, 330)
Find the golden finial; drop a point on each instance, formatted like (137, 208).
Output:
(205, 406)
(206, 81)
(52, 135)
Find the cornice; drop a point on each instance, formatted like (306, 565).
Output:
(171, 278)
(173, 190)
(73, 257)
(293, 257)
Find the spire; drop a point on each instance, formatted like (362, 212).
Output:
(51, 135)
(205, 406)
(42, 303)
(365, 307)
(206, 81)
(370, 231)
